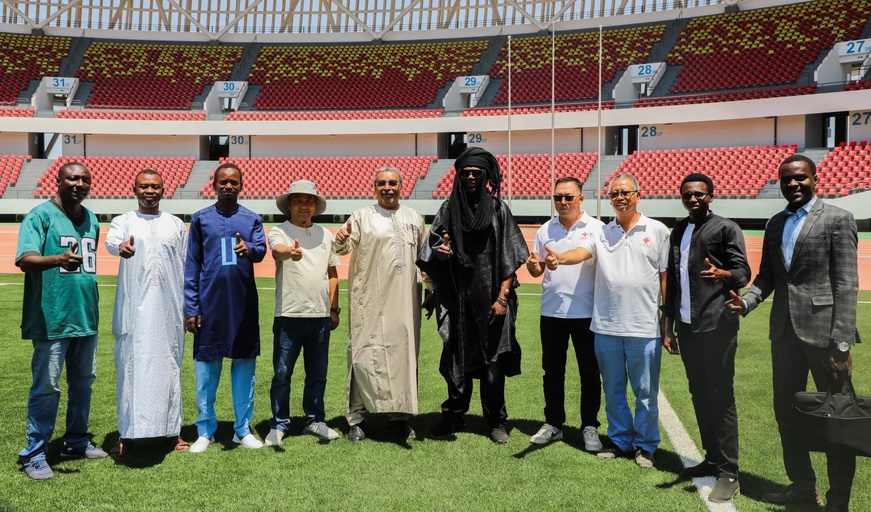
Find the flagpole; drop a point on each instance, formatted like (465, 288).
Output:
(599, 136)
(509, 122)
(552, 111)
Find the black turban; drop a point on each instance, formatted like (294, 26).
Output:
(464, 215)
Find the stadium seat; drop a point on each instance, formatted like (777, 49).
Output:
(736, 171)
(112, 177)
(336, 177)
(153, 76)
(530, 173)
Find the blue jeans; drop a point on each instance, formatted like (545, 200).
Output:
(49, 357)
(639, 359)
(242, 380)
(292, 335)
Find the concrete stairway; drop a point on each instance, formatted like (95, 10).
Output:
(200, 175)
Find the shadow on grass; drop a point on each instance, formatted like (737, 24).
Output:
(294, 430)
(474, 424)
(572, 437)
(146, 453)
(377, 429)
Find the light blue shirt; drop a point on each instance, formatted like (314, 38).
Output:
(791, 229)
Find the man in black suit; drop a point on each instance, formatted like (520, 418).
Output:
(809, 259)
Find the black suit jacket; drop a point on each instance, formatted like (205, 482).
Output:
(722, 242)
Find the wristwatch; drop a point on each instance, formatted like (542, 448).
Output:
(336, 310)
(843, 346)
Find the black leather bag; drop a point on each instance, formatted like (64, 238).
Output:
(835, 422)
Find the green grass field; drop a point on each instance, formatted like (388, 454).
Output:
(468, 473)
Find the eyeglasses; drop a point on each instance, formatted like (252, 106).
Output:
(384, 183)
(697, 194)
(621, 193)
(475, 173)
(557, 198)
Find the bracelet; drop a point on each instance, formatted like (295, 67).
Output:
(502, 302)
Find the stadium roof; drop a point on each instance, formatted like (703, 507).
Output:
(216, 18)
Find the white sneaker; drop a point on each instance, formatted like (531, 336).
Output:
(274, 438)
(546, 434)
(320, 430)
(592, 443)
(201, 444)
(249, 441)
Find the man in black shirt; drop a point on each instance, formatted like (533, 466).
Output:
(706, 260)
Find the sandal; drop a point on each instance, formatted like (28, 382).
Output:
(121, 449)
(178, 444)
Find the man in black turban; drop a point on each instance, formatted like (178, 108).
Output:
(473, 250)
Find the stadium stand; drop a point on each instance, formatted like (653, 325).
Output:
(113, 176)
(718, 97)
(576, 63)
(537, 109)
(10, 168)
(333, 115)
(133, 115)
(16, 112)
(336, 177)
(359, 77)
(530, 173)
(764, 46)
(845, 170)
(737, 172)
(153, 76)
(24, 58)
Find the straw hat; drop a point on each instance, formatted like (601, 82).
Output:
(301, 187)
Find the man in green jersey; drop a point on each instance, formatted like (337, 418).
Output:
(57, 251)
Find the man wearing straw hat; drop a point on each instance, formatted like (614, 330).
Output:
(306, 309)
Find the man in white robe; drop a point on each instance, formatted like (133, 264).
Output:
(148, 322)
(384, 287)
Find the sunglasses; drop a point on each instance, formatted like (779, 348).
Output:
(621, 193)
(384, 183)
(697, 194)
(557, 198)
(475, 173)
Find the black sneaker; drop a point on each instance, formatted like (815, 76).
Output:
(357, 434)
(793, 495)
(446, 426)
(402, 430)
(705, 468)
(88, 451)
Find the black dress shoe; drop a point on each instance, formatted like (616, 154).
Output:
(792, 495)
(699, 470)
(356, 434)
(446, 426)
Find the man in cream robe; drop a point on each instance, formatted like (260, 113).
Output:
(148, 321)
(384, 288)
